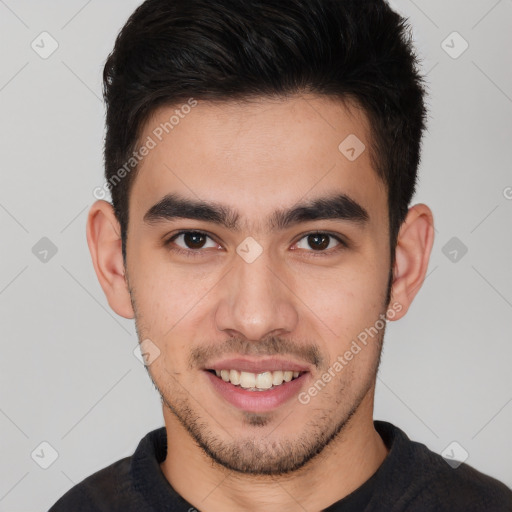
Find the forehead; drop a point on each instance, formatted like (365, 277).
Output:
(258, 156)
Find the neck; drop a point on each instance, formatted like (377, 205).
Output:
(343, 466)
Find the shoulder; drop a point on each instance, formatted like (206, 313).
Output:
(461, 488)
(107, 489)
(431, 483)
(120, 486)
(415, 478)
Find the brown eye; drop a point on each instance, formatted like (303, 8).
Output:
(194, 240)
(319, 242)
(189, 241)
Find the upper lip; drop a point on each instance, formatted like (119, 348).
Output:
(257, 365)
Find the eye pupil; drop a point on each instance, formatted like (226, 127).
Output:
(318, 241)
(194, 240)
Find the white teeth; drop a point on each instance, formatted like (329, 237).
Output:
(247, 380)
(277, 378)
(264, 380)
(259, 381)
(234, 377)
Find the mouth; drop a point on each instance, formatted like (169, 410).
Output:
(257, 386)
(263, 381)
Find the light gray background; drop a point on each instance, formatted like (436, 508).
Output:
(68, 375)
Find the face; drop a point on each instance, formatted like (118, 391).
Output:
(258, 252)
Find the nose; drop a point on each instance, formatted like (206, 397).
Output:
(256, 301)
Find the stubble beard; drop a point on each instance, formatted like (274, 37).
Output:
(264, 456)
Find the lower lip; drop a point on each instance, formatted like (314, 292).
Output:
(257, 401)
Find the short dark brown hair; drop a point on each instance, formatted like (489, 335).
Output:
(361, 50)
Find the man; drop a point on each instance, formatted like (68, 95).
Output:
(261, 157)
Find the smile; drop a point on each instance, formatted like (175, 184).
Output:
(263, 381)
(257, 385)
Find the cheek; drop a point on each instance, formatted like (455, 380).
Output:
(167, 308)
(346, 305)
(345, 299)
(168, 296)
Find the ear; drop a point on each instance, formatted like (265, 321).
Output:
(104, 240)
(414, 245)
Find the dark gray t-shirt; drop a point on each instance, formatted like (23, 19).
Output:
(411, 478)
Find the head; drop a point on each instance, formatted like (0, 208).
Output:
(284, 138)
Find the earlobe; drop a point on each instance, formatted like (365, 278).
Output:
(104, 240)
(414, 245)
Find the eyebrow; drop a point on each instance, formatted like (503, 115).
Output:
(334, 207)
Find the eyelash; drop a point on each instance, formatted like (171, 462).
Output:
(193, 253)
